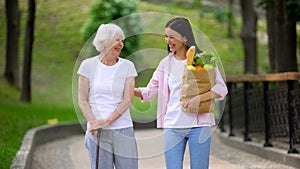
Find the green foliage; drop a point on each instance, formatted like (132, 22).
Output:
(219, 13)
(110, 11)
(186, 4)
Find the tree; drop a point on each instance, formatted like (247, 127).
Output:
(26, 82)
(248, 35)
(282, 16)
(109, 11)
(230, 19)
(271, 29)
(11, 72)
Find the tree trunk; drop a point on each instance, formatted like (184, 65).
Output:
(271, 37)
(248, 35)
(285, 39)
(11, 72)
(29, 38)
(230, 19)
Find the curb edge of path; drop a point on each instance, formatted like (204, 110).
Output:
(269, 153)
(46, 133)
(40, 135)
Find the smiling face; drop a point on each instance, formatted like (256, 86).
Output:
(174, 40)
(117, 46)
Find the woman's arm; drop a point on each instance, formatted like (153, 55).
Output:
(125, 103)
(208, 96)
(123, 106)
(193, 104)
(150, 92)
(83, 97)
(220, 87)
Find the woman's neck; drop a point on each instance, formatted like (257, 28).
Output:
(109, 60)
(180, 55)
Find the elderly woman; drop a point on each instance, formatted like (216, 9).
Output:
(105, 93)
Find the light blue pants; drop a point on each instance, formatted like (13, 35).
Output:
(118, 149)
(198, 138)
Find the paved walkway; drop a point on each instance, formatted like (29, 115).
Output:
(70, 153)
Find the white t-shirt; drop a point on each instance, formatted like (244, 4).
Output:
(106, 87)
(175, 116)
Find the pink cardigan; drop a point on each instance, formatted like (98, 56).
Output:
(158, 86)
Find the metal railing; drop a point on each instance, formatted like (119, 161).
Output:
(265, 105)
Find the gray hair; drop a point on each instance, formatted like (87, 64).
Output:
(106, 36)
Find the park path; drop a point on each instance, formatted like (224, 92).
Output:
(70, 153)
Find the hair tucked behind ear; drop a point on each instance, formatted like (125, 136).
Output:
(183, 27)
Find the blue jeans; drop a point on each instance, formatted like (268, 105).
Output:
(198, 138)
(118, 149)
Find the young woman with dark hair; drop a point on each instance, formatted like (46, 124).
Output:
(181, 127)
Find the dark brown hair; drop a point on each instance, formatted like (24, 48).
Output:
(183, 27)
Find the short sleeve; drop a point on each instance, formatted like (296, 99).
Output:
(220, 87)
(84, 69)
(131, 70)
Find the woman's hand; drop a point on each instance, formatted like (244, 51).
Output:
(137, 92)
(193, 104)
(95, 125)
(94, 132)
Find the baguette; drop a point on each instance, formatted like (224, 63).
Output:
(190, 55)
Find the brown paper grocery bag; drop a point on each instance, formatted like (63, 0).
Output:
(197, 82)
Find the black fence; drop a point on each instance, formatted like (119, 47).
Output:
(265, 107)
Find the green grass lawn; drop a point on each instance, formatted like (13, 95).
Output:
(56, 47)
